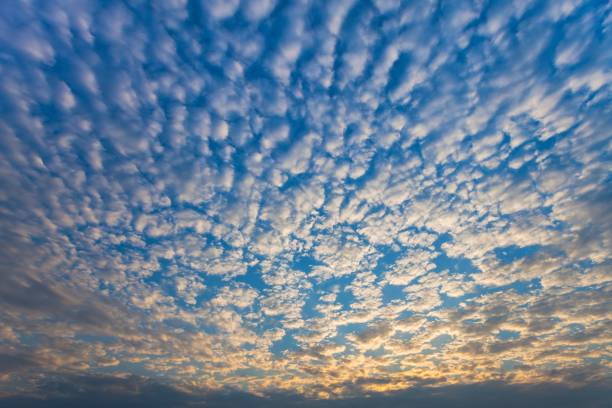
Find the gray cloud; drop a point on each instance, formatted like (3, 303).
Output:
(135, 392)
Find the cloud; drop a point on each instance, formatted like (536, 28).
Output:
(136, 392)
(304, 200)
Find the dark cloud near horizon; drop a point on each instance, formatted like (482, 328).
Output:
(137, 392)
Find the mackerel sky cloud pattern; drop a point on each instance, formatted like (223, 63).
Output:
(321, 198)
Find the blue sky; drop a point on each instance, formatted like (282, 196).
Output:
(324, 198)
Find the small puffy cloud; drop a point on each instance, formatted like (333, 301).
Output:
(239, 296)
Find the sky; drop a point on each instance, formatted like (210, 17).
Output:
(305, 203)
